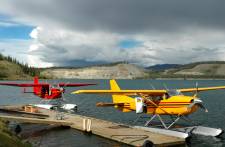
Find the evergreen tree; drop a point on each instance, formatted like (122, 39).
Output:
(32, 71)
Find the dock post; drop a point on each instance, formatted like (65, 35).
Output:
(84, 124)
(89, 125)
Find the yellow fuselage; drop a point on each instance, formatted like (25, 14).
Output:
(175, 105)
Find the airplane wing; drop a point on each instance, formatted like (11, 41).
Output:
(143, 92)
(45, 84)
(24, 84)
(123, 92)
(201, 89)
(74, 84)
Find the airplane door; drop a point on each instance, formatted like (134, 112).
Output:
(139, 105)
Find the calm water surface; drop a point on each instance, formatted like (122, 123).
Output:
(214, 101)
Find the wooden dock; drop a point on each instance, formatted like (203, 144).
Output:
(114, 131)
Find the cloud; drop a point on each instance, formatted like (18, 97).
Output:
(120, 16)
(15, 48)
(87, 32)
(62, 47)
(7, 24)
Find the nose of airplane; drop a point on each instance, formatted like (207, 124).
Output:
(199, 102)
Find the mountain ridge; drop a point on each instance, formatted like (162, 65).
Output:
(11, 69)
(112, 71)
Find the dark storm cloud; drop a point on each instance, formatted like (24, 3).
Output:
(127, 16)
(71, 32)
(206, 50)
(77, 63)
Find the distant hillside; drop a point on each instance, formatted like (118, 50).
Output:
(202, 68)
(11, 69)
(110, 71)
(210, 69)
(123, 70)
(162, 67)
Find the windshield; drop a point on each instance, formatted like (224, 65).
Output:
(174, 92)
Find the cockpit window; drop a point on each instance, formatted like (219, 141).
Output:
(173, 92)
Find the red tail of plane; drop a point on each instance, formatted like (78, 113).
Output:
(36, 89)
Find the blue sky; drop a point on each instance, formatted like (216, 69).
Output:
(14, 38)
(129, 43)
(13, 30)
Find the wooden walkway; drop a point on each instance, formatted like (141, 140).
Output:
(114, 131)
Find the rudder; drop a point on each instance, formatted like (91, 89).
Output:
(36, 89)
(114, 85)
(121, 98)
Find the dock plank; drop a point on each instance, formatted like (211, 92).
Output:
(124, 133)
(111, 130)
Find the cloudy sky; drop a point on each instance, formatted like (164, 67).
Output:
(83, 32)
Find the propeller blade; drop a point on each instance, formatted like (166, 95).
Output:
(203, 107)
(49, 90)
(62, 90)
(196, 92)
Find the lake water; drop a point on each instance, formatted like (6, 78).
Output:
(213, 100)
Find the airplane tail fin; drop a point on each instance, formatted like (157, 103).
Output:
(36, 89)
(121, 99)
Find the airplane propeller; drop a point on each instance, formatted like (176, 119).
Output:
(49, 90)
(196, 92)
(196, 100)
(203, 107)
(62, 92)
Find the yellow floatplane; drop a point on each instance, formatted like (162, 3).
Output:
(157, 103)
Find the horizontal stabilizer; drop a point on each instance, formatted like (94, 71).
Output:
(101, 104)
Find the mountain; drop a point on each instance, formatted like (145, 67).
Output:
(109, 71)
(123, 70)
(213, 68)
(12, 69)
(209, 69)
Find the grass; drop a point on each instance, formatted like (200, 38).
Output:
(8, 139)
(12, 71)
